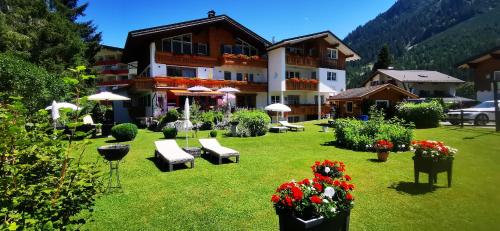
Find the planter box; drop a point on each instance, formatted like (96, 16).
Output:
(432, 168)
(289, 222)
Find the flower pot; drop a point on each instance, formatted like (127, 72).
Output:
(289, 222)
(382, 156)
(432, 168)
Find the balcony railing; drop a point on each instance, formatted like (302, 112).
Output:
(309, 109)
(182, 82)
(332, 64)
(243, 60)
(299, 60)
(185, 60)
(302, 84)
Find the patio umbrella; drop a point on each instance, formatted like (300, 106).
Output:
(228, 90)
(199, 88)
(186, 119)
(277, 107)
(62, 105)
(107, 96)
(55, 113)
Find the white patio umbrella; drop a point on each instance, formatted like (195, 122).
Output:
(55, 113)
(186, 119)
(107, 96)
(199, 88)
(63, 105)
(228, 90)
(277, 107)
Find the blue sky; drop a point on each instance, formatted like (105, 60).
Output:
(278, 18)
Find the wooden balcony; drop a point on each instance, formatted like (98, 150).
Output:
(243, 60)
(309, 109)
(185, 60)
(183, 83)
(332, 64)
(299, 60)
(302, 84)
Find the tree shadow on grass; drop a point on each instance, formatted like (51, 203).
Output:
(375, 160)
(164, 167)
(112, 141)
(330, 143)
(478, 132)
(412, 188)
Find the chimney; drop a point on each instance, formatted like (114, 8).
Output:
(211, 14)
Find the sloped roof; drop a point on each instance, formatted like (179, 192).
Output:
(492, 53)
(422, 76)
(358, 93)
(196, 22)
(328, 35)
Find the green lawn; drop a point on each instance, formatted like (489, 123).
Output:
(237, 196)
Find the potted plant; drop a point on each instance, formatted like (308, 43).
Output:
(383, 147)
(432, 157)
(321, 203)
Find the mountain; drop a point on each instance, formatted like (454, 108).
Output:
(426, 34)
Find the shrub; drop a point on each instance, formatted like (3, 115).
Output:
(42, 188)
(124, 132)
(209, 119)
(251, 122)
(171, 116)
(423, 115)
(213, 133)
(169, 133)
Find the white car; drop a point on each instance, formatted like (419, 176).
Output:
(480, 114)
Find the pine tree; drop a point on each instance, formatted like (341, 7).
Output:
(383, 59)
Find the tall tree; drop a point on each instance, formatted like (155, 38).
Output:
(383, 59)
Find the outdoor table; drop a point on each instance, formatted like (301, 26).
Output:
(194, 151)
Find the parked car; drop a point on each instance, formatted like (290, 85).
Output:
(481, 114)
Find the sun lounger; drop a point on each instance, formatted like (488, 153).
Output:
(168, 151)
(292, 126)
(213, 147)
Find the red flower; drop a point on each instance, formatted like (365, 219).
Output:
(275, 198)
(347, 177)
(315, 199)
(351, 187)
(318, 187)
(336, 183)
(344, 185)
(288, 201)
(305, 182)
(348, 196)
(297, 193)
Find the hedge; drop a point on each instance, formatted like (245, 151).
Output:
(423, 115)
(124, 132)
(251, 122)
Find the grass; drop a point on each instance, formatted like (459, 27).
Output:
(237, 196)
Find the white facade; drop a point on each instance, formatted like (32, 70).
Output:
(277, 68)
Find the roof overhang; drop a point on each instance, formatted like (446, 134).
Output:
(195, 93)
(475, 60)
(327, 35)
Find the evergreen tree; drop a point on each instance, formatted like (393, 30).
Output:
(383, 59)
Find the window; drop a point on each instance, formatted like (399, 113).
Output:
(322, 99)
(201, 49)
(227, 75)
(293, 99)
(178, 45)
(292, 74)
(181, 72)
(239, 77)
(382, 104)
(227, 49)
(332, 76)
(313, 75)
(312, 52)
(275, 99)
(349, 107)
(294, 50)
(245, 48)
(250, 77)
(332, 53)
(293, 119)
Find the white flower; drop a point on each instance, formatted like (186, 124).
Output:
(333, 209)
(325, 201)
(329, 192)
(403, 145)
(327, 169)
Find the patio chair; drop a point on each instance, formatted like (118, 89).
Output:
(292, 126)
(213, 147)
(169, 152)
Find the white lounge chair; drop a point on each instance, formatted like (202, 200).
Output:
(292, 126)
(213, 147)
(168, 151)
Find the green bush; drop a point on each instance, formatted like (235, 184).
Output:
(42, 188)
(423, 115)
(213, 133)
(251, 122)
(171, 116)
(124, 132)
(169, 133)
(358, 135)
(209, 119)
